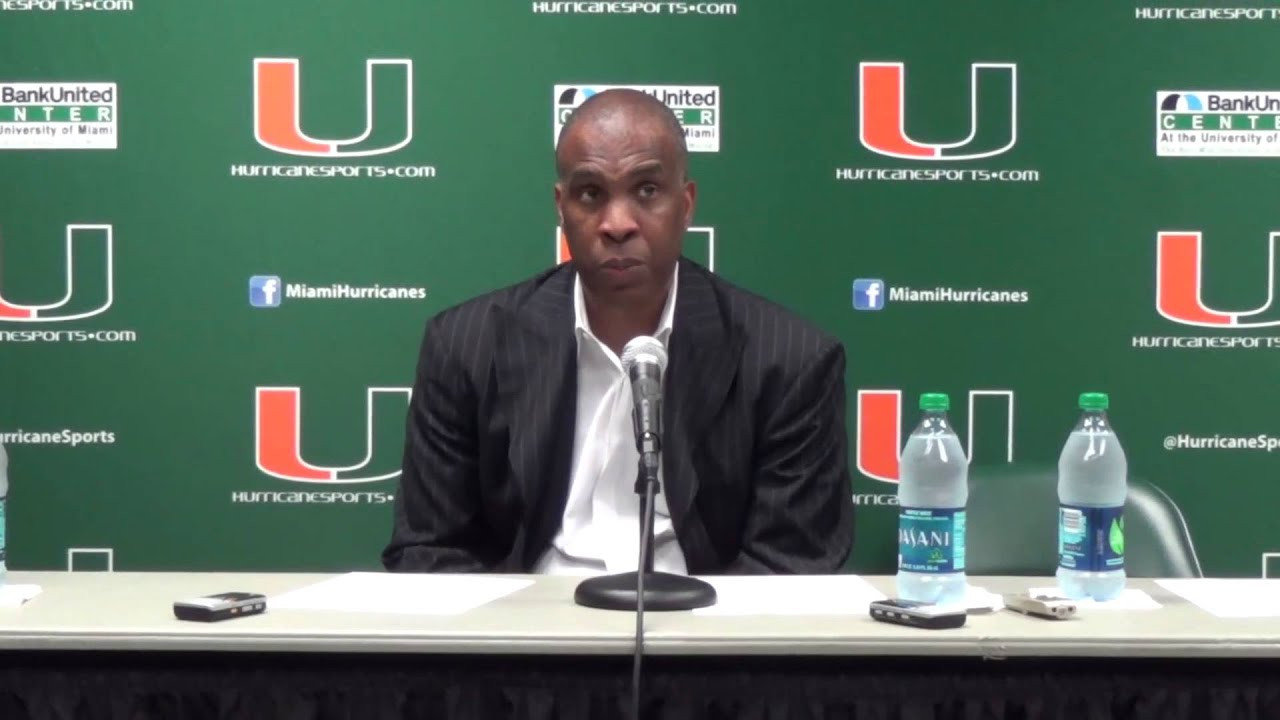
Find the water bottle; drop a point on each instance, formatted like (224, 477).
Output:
(1092, 485)
(932, 492)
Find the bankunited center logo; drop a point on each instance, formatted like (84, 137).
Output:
(1180, 298)
(87, 290)
(58, 116)
(1218, 123)
(697, 107)
(278, 437)
(884, 123)
(278, 122)
(880, 433)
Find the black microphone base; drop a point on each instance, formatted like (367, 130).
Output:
(662, 591)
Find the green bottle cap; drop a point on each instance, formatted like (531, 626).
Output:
(935, 401)
(1094, 401)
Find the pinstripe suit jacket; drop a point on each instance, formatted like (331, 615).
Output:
(755, 460)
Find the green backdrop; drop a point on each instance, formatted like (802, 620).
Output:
(1002, 169)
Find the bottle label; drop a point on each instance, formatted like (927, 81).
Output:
(1091, 539)
(931, 540)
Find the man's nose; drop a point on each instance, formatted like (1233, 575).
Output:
(618, 224)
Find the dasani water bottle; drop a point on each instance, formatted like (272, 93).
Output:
(933, 489)
(1092, 486)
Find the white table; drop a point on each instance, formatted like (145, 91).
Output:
(536, 647)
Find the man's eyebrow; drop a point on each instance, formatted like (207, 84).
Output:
(646, 168)
(580, 174)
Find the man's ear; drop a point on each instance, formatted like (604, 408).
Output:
(690, 201)
(559, 193)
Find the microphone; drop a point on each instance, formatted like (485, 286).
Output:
(644, 359)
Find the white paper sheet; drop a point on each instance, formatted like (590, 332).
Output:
(1128, 599)
(1229, 597)
(790, 595)
(981, 600)
(12, 596)
(398, 593)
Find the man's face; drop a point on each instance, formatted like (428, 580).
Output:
(624, 205)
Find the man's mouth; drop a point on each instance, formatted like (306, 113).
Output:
(620, 263)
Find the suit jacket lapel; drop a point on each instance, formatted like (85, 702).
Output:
(702, 360)
(535, 363)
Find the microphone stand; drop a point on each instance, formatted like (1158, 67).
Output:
(636, 590)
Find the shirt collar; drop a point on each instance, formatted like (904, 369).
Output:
(583, 328)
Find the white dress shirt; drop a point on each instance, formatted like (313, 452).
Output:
(600, 529)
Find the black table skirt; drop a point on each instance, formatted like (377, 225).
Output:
(274, 686)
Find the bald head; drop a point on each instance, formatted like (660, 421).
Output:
(625, 202)
(625, 110)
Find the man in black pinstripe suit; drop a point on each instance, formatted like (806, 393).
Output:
(518, 452)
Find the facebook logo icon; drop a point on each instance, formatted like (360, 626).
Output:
(264, 291)
(868, 294)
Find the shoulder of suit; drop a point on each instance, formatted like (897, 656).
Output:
(745, 309)
(509, 296)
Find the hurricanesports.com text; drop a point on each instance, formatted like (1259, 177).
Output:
(628, 7)
(875, 499)
(102, 336)
(305, 497)
(1195, 342)
(49, 5)
(1201, 13)
(936, 175)
(334, 171)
